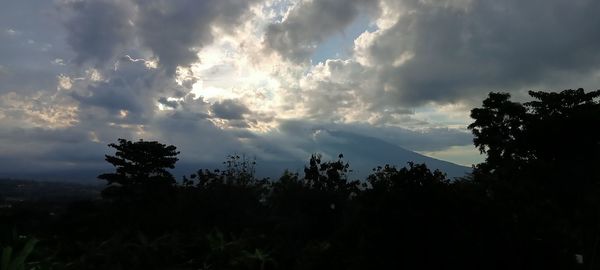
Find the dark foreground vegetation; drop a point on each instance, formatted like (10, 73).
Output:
(533, 204)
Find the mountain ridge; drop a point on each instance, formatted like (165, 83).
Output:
(362, 152)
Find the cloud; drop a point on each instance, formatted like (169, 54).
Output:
(38, 134)
(191, 130)
(465, 48)
(99, 30)
(221, 76)
(40, 109)
(427, 139)
(175, 30)
(30, 38)
(168, 103)
(229, 109)
(133, 89)
(435, 53)
(308, 23)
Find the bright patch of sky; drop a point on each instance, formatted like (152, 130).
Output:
(339, 46)
(466, 155)
(455, 115)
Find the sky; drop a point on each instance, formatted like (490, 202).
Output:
(265, 77)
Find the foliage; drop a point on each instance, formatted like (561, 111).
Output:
(328, 176)
(239, 170)
(533, 204)
(542, 157)
(141, 167)
(414, 176)
(8, 261)
(556, 128)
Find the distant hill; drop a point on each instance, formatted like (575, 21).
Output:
(28, 190)
(363, 153)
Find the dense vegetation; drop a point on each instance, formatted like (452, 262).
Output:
(533, 204)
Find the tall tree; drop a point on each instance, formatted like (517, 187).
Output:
(499, 129)
(141, 167)
(555, 129)
(542, 163)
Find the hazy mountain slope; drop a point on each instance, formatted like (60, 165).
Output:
(362, 152)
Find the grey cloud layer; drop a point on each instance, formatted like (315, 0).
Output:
(434, 51)
(172, 31)
(310, 23)
(103, 33)
(453, 50)
(490, 45)
(99, 30)
(31, 38)
(116, 99)
(229, 109)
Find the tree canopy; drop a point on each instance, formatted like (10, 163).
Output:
(556, 129)
(140, 166)
(544, 155)
(534, 203)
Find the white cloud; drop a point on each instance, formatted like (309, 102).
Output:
(12, 32)
(64, 82)
(41, 109)
(308, 23)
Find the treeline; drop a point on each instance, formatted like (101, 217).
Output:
(533, 204)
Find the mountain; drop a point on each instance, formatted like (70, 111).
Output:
(362, 152)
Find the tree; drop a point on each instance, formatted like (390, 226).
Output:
(499, 130)
(407, 179)
(141, 168)
(239, 171)
(563, 129)
(328, 176)
(542, 163)
(556, 129)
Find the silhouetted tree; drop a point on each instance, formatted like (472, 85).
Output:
(542, 165)
(533, 204)
(328, 176)
(556, 129)
(231, 197)
(499, 129)
(411, 178)
(141, 169)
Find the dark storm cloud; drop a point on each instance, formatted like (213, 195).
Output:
(117, 99)
(37, 134)
(31, 39)
(173, 31)
(309, 23)
(103, 33)
(435, 52)
(229, 109)
(78, 153)
(73, 161)
(482, 46)
(132, 89)
(113, 96)
(191, 131)
(43, 153)
(99, 30)
(446, 51)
